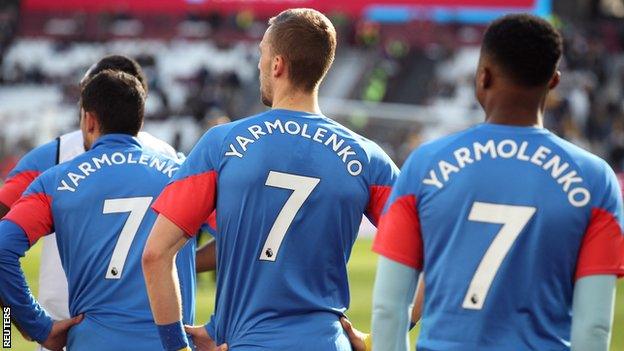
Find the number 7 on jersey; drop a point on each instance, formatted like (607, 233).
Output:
(513, 219)
(302, 188)
(137, 207)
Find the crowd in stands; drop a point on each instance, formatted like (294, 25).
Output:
(197, 79)
(9, 11)
(587, 108)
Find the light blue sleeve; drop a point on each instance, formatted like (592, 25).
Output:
(592, 312)
(395, 285)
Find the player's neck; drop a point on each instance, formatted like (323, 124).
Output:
(516, 110)
(516, 118)
(296, 100)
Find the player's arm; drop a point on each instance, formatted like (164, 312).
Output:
(399, 244)
(600, 262)
(161, 279)
(14, 291)
(183, 206)
(395, 285)
(163, 289)
(29, 220)
(592, 312)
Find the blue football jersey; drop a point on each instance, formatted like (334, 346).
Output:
(502, 220)
(289, 189)
(99, 206)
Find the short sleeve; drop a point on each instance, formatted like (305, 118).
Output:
(383, 175)
(27, 169)
(190, 198)
(602, 248)
(399, 237)
(33, 211)
(15, 186)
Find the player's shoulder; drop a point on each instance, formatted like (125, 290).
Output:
(375, 155)
(38, 159)
(381, 165)
(589, 164)
(600, 177)
(374, 152)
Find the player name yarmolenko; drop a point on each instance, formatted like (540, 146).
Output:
(71, 180)
(543, 157)
(320, 135)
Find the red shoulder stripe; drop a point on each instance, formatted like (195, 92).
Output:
(602, 249)
(33, 213)
(15, 186)
(399, 237)
(189, 201)
(379, 195)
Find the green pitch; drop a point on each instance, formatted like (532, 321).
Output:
(361, 270)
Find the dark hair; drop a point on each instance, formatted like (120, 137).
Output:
(527, 47)
(307, 40)
(117, 99)
(117, 63)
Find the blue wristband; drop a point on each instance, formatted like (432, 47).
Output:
(172, 336)
(412, 325)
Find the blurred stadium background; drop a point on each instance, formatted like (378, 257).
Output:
(403, 75)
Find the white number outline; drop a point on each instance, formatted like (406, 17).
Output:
(514, 219)
(137, 207)
(302, 188)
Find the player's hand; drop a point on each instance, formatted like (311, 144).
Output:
(356, 337)
(201, 339)
(58, 336)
